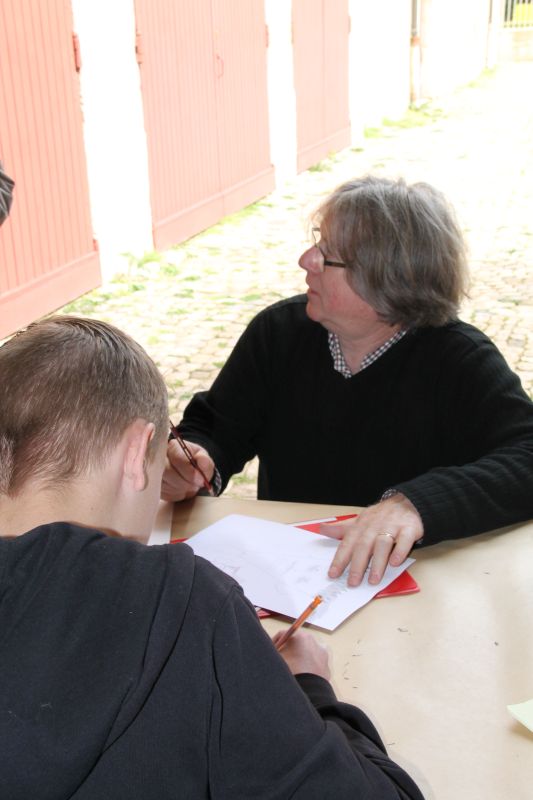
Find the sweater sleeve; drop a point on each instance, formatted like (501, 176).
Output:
(487, 420)
(268, 740)
(228, 419)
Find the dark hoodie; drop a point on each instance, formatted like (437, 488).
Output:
(131, 672)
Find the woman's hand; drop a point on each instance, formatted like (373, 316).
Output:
(180, 479)
(383, 534)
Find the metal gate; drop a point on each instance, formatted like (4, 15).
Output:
(203, 77)
(518, 13)
(320, 41)
(47, 252)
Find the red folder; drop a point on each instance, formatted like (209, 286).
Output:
(403, 584)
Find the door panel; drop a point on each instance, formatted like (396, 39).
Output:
(47, 252)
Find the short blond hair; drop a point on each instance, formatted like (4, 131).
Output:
(69, 388)
(404, 250)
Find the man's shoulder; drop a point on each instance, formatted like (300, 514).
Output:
(88, 556)
(212, 587)
(113, 572)
(175, 566)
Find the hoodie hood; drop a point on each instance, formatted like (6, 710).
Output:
(87, 623)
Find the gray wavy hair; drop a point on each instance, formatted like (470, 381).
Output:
(6, 194)
(404, 250)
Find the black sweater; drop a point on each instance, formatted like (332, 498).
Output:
(136, 673)
(439, 417)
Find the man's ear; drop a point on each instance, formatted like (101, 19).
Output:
(138, 438)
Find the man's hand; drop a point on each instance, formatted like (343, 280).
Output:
(180, 479)
(384, 533)
(302, 653)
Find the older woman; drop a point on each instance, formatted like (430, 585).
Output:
(369, 391)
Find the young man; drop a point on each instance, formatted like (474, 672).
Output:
(130, 671)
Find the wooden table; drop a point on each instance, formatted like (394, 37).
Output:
(434, 670)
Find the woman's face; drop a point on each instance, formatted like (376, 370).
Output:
(331, 301)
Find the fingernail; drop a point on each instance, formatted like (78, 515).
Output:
(334, 572)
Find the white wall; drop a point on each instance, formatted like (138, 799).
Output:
(454, 36)
(494, 33)
(115, 139)
(281, 93)
(379, 64)
(379, 61)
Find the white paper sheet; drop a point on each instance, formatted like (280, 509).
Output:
(282, 568)
(162, 525)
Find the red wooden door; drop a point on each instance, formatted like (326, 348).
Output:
(203, 78)
(320, 44)
(242, 102)
(47, 252)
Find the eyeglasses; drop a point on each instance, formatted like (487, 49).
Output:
(320, 260)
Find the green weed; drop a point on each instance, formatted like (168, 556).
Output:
(322, 166)
(240, 479)
(372, 133)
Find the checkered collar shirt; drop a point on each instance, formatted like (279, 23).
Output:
(338, 359)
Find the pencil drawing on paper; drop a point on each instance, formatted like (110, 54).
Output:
(283, 568)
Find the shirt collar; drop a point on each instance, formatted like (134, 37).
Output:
(339, 363)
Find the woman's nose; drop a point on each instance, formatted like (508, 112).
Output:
(307, 260)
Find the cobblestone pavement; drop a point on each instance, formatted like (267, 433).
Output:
(188, 306)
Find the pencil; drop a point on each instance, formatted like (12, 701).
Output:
(190, 458)
(298, 622)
